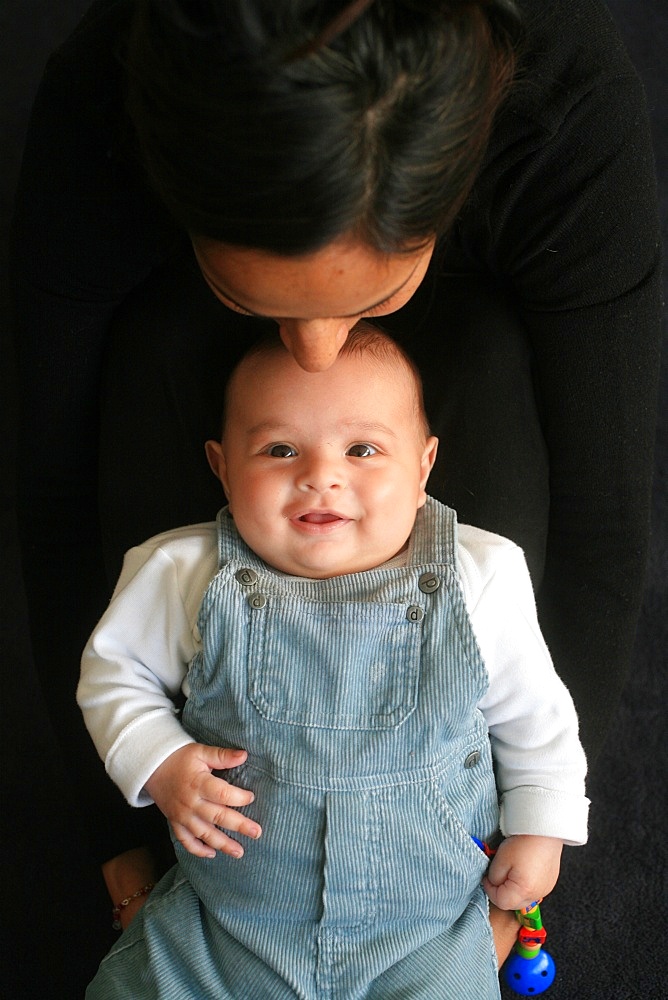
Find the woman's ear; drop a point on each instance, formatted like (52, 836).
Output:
(216, 459)
(426, 465)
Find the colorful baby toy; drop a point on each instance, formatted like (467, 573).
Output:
(529, 970)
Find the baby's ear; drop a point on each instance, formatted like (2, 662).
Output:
(426, 465)
(216, 459)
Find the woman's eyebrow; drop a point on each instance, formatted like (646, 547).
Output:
(221, 291)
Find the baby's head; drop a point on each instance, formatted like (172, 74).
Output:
(325, 471)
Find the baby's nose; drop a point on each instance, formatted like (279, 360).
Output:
(322, 474)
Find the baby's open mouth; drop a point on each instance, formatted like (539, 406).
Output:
(319, 517)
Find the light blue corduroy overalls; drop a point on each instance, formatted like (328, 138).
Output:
(371, 767)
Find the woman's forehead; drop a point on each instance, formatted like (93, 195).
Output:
(344, 279)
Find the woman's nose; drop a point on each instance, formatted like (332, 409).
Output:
(314, 343)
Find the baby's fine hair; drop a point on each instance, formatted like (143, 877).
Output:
(364, 340)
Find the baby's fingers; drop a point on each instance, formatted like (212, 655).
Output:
(222, 793)
(221, 758)
(191, 843)
(507, 895)
(203, 838)
(220, 804)
(206, 845)
(236, 822)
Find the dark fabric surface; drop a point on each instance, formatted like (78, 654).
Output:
(606, 919)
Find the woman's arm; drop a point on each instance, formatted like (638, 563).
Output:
(83, 236)
(569, 224)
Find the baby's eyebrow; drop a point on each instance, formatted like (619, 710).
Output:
(369, 427)
(356, 428)
(275, 427)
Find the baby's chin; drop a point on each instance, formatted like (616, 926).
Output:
(327, 572)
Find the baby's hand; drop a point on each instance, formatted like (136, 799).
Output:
(196, 802)
(523, 870)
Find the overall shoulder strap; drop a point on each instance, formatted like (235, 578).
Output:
(434, 538)
(230, 544)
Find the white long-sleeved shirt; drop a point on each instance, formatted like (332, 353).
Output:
(136, 662)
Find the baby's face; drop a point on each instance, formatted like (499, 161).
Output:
(325, 471)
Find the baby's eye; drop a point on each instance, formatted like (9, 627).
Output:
(361, 450)
(281, 451)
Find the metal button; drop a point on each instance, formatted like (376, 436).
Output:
(428, 583)
(473, 759)
(247, 577)
(257, 601)
(414, 613)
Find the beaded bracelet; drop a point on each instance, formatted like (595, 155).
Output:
(116, 912)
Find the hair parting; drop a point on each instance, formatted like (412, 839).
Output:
(283, 125)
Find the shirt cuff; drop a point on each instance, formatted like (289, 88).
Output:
(141, 748)
(543, 812)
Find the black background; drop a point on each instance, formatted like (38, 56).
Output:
(607, 918)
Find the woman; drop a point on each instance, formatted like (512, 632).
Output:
(477, 173)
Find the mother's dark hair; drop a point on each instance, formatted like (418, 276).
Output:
(256, 133)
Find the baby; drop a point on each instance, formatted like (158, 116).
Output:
(371, 679)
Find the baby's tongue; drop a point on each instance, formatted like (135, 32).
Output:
(317, 518)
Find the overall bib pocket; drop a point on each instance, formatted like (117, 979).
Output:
(363, 664)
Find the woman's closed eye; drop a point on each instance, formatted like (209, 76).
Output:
(378, 310)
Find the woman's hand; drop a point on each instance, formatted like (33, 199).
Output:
(124, 875)
(197, 803)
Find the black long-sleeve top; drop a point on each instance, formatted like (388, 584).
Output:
(562, 218)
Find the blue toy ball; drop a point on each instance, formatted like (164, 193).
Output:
(530, 976)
